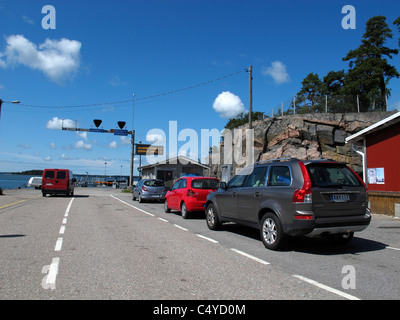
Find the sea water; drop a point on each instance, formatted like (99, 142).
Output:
(13, 181)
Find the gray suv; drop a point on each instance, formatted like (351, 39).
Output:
(290, 197)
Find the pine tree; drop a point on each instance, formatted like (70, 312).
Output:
(369, 71)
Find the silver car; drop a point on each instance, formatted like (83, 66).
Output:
(149, 189)
(288, 197)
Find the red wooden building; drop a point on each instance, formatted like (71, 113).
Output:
(381, 162)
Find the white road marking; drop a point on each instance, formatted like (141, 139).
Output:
(64, 221)
(250, 256)
(58, 244)
(163, 219)
(53, 271)
(62, 229)
(148, 213)
(322, 286)
(182, 228)
(206, 238)
(393, 248)
(69, 207)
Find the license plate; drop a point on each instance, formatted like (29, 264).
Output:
(340, 197)
(49, 184)
(155, 196)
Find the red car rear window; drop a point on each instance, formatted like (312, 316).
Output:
(205, 184)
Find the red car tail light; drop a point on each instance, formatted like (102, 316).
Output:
(303, 195)
(144, 188)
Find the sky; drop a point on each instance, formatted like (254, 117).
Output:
(168, 68)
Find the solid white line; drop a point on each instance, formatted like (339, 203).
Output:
(69, 207)
(53, 271)
(58, 244)
(178, 226)
(148, 213)
(322, 286)
(250, 256)
(163, 219)
(393, 248)
(62, 229)
(206, 238)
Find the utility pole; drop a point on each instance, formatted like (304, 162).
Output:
(132, 143)
(250, 97)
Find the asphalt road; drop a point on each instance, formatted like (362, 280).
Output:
(102, 245)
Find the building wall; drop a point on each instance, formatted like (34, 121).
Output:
(383, 151)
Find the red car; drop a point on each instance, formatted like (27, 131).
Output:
(189, 194)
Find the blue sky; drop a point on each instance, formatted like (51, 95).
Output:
(106, 51)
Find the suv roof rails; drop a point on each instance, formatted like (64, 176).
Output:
(276, 160)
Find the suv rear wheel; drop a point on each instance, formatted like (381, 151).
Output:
(271, 231)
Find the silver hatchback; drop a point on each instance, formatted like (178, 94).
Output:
(149, 189)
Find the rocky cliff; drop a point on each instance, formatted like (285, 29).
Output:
(310, 136)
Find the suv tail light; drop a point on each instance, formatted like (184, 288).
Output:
(190, 193)
(303, 195)
(144, 188)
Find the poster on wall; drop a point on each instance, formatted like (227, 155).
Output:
(376, 175)
(380, 175)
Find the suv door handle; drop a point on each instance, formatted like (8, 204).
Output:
(256, 194)
(233, 194)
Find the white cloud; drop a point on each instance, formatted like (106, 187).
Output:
(228, 105)
(53, 145)
(82, 145)
(57, 59)
(113, 145)
(277, 71)
(125, 140)
(82, 134)
(28, 20)
(56, 123)
(48, 158)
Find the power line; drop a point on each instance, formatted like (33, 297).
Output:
(137, 99)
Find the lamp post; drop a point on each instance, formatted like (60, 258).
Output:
(105, 171)
(1, 102)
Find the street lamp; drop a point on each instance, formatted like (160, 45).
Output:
(14, 102)
(105, 170)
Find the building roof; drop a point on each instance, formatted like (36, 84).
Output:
(394, 118)
(182, 159)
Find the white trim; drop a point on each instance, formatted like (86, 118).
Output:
(387, 121)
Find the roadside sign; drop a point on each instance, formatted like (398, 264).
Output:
(96, 130)
(120, 132)
(143, 149)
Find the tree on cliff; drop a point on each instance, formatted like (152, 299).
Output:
(369, 71)
(243, 118)
(368, 76)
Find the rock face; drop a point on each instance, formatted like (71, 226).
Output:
(306, 137)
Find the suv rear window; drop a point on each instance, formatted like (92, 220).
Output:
(326, 175)
(205, 184)
(154, 183)
(49, 174)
